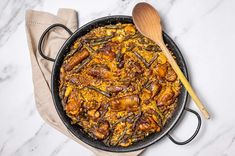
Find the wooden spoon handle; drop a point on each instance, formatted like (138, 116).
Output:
(184, 81)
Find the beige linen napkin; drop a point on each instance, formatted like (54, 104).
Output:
(36, 23)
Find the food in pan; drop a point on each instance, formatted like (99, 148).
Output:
(117, 85)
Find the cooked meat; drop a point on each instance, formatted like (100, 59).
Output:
(76, 59)
(126, 103)
(100, 71)
(116, 89)
(118, 85)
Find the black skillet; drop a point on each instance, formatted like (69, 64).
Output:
(77, 130)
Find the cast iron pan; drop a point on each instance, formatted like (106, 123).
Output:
(77, 130)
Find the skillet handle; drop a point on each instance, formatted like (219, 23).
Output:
(40, 43)
(194, 134)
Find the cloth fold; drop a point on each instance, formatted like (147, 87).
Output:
(36, 23)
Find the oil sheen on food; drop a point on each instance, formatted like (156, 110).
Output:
(117, 85)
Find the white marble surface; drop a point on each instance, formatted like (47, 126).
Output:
(203, 30)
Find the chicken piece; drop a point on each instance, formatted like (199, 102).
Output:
(106, 50)
(170, 75)
(101, 131)
(76, 59)
(74, 103)
(162, 70)
(148, 124)
(73, 106)
(166, 98)
(100, 71)
(125, 103)
(154, 87)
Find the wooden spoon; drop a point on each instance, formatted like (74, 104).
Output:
(147, 21)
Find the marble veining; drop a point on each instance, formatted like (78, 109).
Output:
(227, 136)
(12, 15)
(204, 32)
(6, 73)
(39, 132)
(59, 148)
(197, 16)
